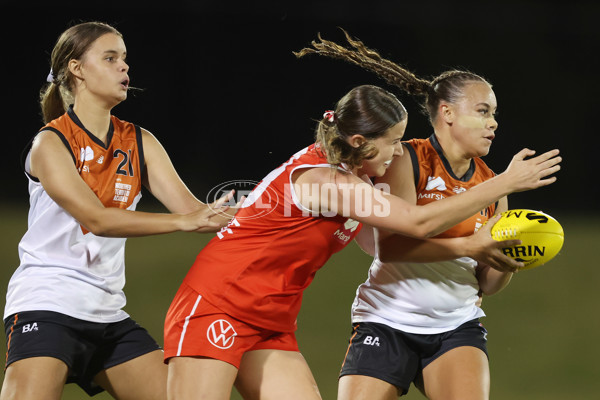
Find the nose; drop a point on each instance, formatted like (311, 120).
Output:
(398, 149)
(124, 66)
(493, 124)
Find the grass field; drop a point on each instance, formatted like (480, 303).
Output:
(542, 328)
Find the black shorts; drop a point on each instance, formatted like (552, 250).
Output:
(398, 357)
(86, 347)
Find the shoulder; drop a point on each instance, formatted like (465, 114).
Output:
(48, 138)
(324, 175)
(117, 122)
(420, 148)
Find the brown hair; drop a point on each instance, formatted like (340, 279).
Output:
(365, 110)
(448, 86)
(72, 44)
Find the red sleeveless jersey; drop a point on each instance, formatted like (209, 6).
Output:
(256, 269)
(434, 180)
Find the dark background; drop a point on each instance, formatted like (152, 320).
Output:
(224, 94)
(226, 97)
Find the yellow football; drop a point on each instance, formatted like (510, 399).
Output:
(541, 236)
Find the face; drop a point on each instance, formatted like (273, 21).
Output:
(473, 119)
(389, 146)
(103, 70)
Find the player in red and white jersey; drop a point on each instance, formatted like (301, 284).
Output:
(416, 317)
(250, 285)
(63, 315)
(233, 319)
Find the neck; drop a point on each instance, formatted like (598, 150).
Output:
(94, 117)
(458, 160)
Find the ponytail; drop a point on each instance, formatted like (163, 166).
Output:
(51, 102)
(447, 87)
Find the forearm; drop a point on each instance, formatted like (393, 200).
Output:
(492, 281)
(116, 222)
(396, 248)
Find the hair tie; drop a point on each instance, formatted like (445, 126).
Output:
(50, 77)
(329, 115)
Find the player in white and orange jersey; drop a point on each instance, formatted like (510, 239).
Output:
(416, 317)
(233, 319)
(63, 316)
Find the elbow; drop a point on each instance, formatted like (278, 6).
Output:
(487, 290)
(490, 291)
(424, 231)
(97, 226)
(424, 226)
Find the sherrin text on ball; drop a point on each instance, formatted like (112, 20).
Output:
(541, 236)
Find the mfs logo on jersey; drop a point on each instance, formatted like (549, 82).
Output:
(344, 234)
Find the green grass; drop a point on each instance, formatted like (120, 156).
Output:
(542, 328)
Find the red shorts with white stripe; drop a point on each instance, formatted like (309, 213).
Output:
(196, 328)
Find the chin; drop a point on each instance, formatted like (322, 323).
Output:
(380, 172)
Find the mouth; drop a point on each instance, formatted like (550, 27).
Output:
(490, 137)
(125, 83)
(387, 163)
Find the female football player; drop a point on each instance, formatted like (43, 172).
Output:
(63, 317)
(233, 319)
(420, 302)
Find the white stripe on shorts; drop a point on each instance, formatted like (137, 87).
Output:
(187, 321)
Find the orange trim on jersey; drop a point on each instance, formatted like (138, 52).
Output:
(350, 344)
(12, 328)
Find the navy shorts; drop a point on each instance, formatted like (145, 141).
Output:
(86, 347)
(397, 357)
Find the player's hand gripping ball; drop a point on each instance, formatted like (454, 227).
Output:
(541, 236)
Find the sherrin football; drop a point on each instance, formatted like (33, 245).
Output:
(541, 236)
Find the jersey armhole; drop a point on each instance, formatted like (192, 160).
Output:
(295, 198)
(415, 163)
(26, 153)
(142, 161)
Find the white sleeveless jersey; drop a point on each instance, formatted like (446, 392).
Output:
(63, 267)
(427, 298)
(423, 298)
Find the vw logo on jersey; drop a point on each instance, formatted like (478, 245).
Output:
(221, 334)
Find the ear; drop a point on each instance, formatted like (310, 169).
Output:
(447, 114)
(74, 67)
(357, 140)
